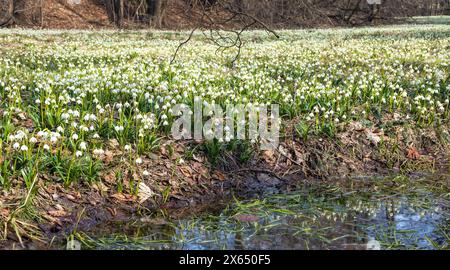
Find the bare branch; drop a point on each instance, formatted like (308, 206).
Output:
(213, 28)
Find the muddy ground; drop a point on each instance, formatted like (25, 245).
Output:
(182, 179)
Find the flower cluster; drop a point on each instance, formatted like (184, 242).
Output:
(87, 90)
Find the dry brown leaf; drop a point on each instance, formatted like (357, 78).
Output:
(57, 213)
(186, 171)
(161, 173)
(49, 218)
(163, 151)
(71, 198)
(28, 123)
(74, 196)
(373, 137)
(123, 197)
(110, 177)
(108, 157)
(118, 196)
(4, 212)
(99, 186)
(112, 211)
(412, 153)
(144, 192)
(220, 176)
(113, 143)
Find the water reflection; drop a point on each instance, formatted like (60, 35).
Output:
(306, 219)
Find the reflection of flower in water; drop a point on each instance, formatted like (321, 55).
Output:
(373, 245)
(406, 221)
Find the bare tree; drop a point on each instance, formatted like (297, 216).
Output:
(156, 10)
(224, 31)
(115, 11)
(270, 13)
(6, 12)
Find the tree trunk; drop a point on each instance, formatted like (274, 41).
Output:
(115, 11)
(110, 10)
(156, 9)
(151, 5)
(119, 7)
(7, 13)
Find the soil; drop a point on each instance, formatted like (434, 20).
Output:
(91, 14)
(193, 184)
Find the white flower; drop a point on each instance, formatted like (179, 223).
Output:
(75, 137)
(145, 173)
(139, 161)
(46, 147)
(118, 128)
(33, 140)
(24, 148)
(65, 116)
(78, 154)
(82, 146)
(127, 147)
(16, 146)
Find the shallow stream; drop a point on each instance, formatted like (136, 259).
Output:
(394, 213)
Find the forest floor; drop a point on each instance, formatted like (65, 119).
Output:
(85, 134)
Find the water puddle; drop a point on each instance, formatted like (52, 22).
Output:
(395, 213)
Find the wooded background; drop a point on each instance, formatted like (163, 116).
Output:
(180, 14)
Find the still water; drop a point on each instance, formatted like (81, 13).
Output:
(394, 213)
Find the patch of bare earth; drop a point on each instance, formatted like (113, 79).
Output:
(168, 180)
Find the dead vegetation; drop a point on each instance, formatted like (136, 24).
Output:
(181, 176)
(186, 14)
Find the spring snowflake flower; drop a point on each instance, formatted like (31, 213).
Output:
(83, 146)
(78, 154)
(16, 145)
(53, 139)
(24, 148)
(118, 128)
(46, 147)
(139, 161)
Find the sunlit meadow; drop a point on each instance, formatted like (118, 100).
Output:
(65, 95)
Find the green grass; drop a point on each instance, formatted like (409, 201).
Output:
(66, 95)
(398, 212)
